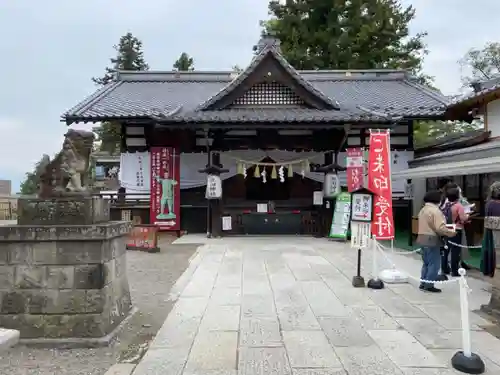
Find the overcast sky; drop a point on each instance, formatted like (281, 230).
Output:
(51, 49)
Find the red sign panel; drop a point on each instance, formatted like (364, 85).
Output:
(379, 182)
(354, 169)
(143, 238)
(165, 188)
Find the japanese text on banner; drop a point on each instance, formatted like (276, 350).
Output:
(379, 182)
(354, 165)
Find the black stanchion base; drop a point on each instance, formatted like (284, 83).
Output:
(375, 284)
(442, 277)
(470, 365)
(358, 282)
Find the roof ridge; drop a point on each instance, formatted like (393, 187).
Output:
(439, 97)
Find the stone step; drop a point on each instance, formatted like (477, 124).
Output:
(8, 338)
(121, 369)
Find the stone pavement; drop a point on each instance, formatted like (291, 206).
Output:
(285, 305)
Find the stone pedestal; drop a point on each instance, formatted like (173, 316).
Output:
(64, 283)
(493, 307)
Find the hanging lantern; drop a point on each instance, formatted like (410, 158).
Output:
(214, 187)
(290, 171)
(331, 185)
(274, 175)
(256, 173)
(244, 167)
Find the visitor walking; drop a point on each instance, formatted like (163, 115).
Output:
(431, 229)
(454, 214)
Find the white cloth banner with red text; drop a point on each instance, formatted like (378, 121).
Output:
(379, 182)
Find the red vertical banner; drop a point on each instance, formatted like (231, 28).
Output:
(165, 188)
(379, 182)
(354, 165)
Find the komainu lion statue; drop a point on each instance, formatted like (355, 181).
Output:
(67, 173)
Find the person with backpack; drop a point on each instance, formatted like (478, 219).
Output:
(431, 229)
(454, 213)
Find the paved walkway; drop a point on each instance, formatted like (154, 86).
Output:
(258, 306)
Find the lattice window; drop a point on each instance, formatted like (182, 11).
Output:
(269, 93)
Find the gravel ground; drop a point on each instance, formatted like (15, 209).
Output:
(150, 277)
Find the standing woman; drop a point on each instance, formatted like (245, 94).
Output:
(431, 229)
(454, 213)
(491, 238)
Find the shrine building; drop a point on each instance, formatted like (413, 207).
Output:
(268, 127)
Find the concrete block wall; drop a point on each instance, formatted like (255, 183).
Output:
(70, 286)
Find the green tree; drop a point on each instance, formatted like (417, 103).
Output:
(129, 56)
(428, 132)
(30, 184)
(480, 64)
(184, 63)
(340, 34)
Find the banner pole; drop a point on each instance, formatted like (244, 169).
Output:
(375, 282)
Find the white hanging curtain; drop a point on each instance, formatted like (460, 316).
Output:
(191, 163)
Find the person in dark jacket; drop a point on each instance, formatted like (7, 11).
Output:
(458, 218)
(491, 238)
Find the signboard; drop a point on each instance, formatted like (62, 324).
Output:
(341, 216)
(360, 234)
(379, 182)
(331, 185)
(165, 188)
(143, 238)
(214, 187)
(227, 223)
(408, 190)
(362, 207)
(318, 198)
(354, 163)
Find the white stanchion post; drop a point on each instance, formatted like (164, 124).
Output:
(464, 360)
(375, 282)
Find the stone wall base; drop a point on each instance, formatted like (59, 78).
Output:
(64, 283)
(79, 342)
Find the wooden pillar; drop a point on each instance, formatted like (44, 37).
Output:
(209, 201)
(216, 210)
(328, 204)
(410, 217)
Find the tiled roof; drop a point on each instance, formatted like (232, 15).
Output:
(270, 115)
(481, 89)
(376, 94)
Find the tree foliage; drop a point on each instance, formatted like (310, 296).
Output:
(427, 132)
(129, 56)
(340, 34)
(481, 64)
(184, 63)
(30, 184)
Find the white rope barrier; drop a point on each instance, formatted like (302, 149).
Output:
(464, 246)
(464, 360)
(400, 252)
(388, 259)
